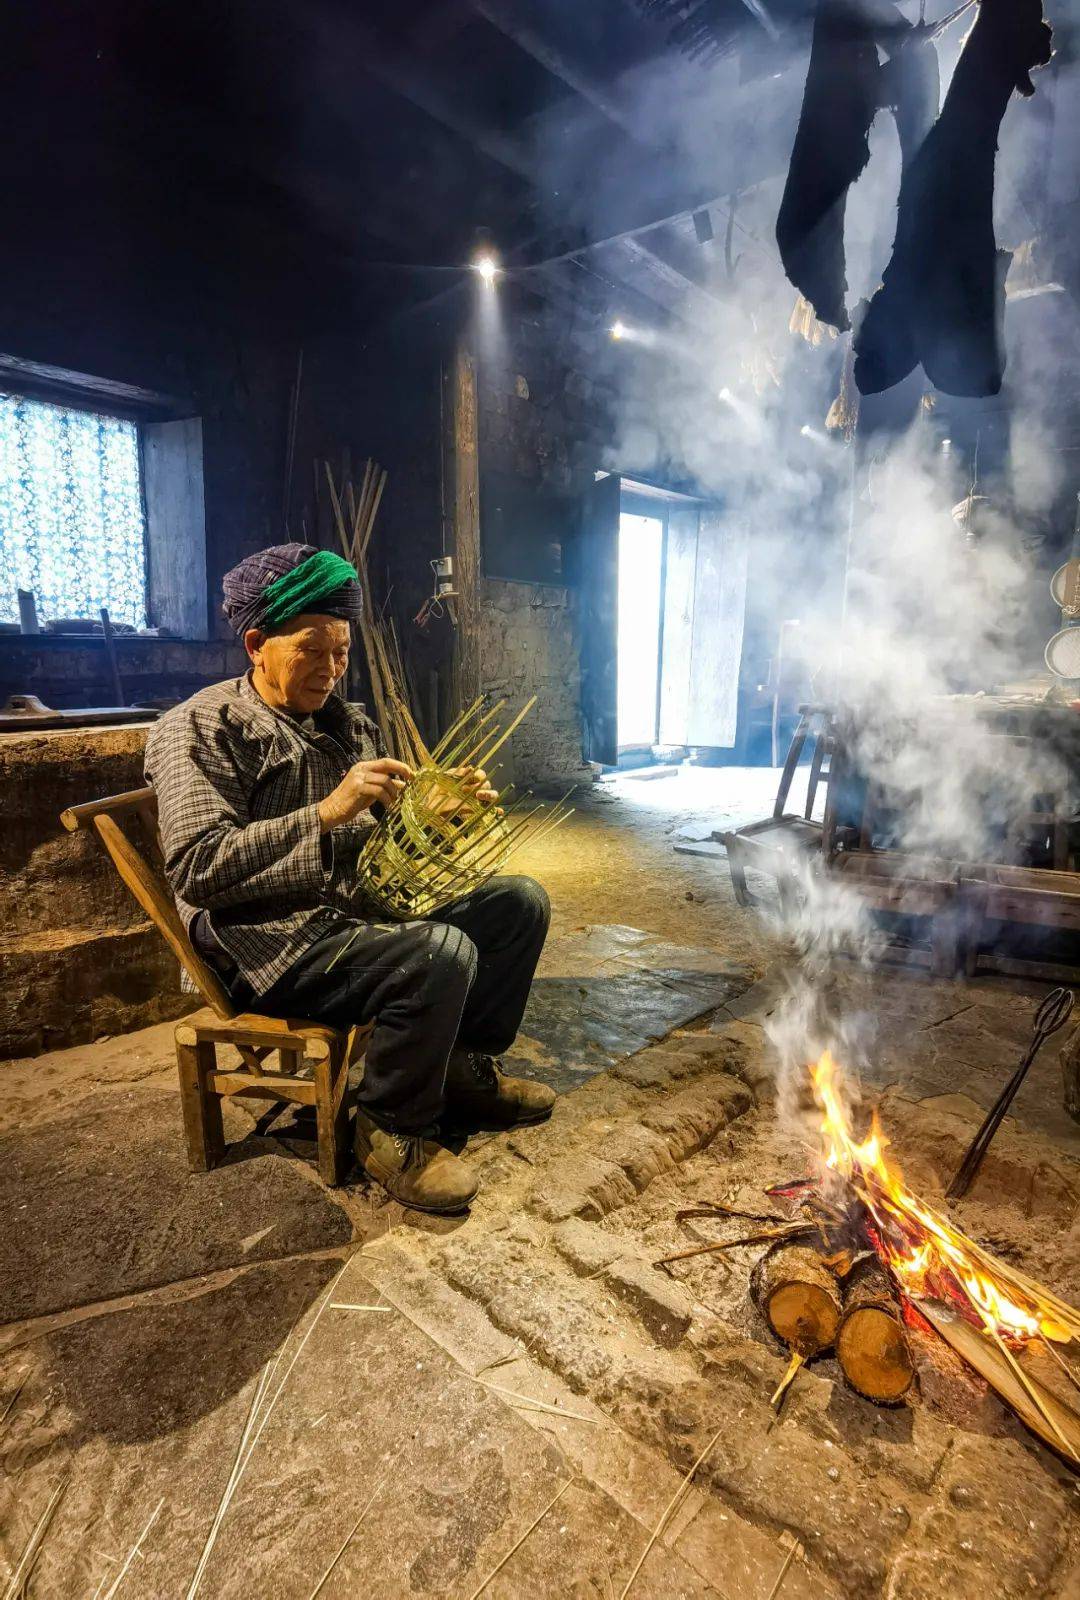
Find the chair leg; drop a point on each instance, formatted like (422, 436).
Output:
(332, 1114)
(743, 897)
(946, 951)
(790, 904)
(203, 1128)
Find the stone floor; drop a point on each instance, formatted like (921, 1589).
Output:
(505, 1404)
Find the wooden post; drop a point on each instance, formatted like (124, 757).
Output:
(465, 529)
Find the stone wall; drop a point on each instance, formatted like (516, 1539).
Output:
(78, 959)
(528, 646)
(544, 429)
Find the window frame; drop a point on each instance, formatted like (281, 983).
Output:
(176, 594)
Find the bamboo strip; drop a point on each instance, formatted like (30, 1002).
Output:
(794, 1550)
(248, 1439)
(31, 1550)
(669, 1510)
(438, 755)
(485, 759)
(1032, 1392)
(517, 1546)
(339, 520)
(349, 1536)
(788, 1379)
(133, 1552)
(733, 1244)
(359, 520)
(538, 1405)
(15, 1395)
(374, 509)
(988, 1360)
(227, 1493)
(1052, 1350)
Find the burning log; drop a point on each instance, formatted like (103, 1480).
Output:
(989, 1312)
(870, 1343)
(798, 1297)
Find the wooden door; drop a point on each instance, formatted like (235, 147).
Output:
(704, 613)
(719, 618)
(677, 636)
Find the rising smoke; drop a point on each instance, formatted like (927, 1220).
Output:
(910, 604)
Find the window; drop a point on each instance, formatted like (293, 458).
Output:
(72, 526)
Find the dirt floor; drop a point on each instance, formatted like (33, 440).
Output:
(241, 1383)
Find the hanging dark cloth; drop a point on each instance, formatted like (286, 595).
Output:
(942, 300)
(832, 147)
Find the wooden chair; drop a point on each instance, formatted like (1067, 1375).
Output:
(781, 843)
(204, 1083)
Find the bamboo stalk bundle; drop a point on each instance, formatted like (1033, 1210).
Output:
(1057, 1423)
(439, 842)
(354, 514)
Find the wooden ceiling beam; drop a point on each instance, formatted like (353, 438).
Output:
(398, 72)
(695, 295)
(505, 15)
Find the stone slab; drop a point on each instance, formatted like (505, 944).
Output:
(617, 989)
(100, 1202)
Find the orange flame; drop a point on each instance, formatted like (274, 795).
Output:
(927, 1255)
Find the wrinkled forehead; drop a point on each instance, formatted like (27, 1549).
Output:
(316, 630)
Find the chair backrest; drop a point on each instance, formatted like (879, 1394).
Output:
(147, 884)
(808, 714)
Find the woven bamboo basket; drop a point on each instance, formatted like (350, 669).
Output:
(439, 842)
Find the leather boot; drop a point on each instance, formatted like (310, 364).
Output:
(480, 1095)
(413, 1170)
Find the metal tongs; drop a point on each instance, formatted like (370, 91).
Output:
(1052, 1015)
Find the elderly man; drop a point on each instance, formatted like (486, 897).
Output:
(265, 789)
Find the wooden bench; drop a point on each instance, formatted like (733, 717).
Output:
(313, 1060)
(922, 888)
(1026, 896)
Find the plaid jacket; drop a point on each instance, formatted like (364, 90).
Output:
(238, 786)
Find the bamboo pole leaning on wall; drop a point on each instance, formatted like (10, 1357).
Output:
(353, 514)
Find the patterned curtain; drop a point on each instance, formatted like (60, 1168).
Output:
(71, 514)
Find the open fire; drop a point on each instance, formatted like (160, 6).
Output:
(929, 1258)
(858, 1267)
(992, 1314)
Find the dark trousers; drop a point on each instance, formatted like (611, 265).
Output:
(461, 977)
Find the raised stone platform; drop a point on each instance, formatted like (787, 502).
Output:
(77, 956)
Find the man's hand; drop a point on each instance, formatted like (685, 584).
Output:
(446, 802)
(475, 779)
(361, 786)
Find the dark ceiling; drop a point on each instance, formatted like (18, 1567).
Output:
(275, 154)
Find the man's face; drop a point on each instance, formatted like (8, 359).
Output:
(297, 665)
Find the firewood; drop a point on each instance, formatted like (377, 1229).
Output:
(870, 1343)
(1055, 1422)
(798, 1297)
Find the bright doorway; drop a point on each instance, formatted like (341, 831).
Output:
(641, 563)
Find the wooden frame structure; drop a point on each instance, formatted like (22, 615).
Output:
(313, 1060)
(957, 904)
